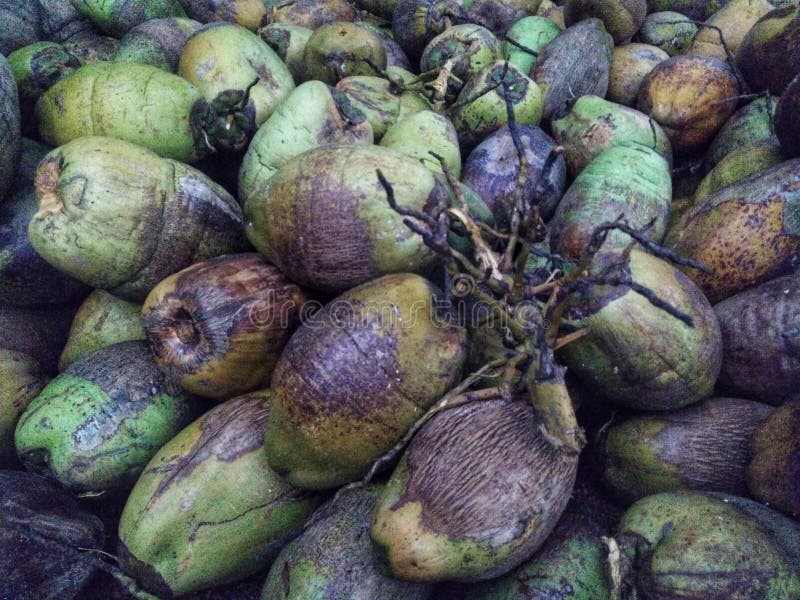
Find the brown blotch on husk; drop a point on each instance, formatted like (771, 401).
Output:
(691, 97)
(745, 233)
(761, 340)
(483, 474)
(219, 326)
(577, 62)
(309, 13)
(773, 475)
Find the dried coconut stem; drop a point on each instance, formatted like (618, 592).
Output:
(522, 47)
(614, 571)
(518, 208)
(486, 90)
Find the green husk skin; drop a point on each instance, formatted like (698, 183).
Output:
(313, 115)
(117, 17)
(783, 530)
(534, 33)
(21, 380)
(421, 133)
(289, 43)
(402, 74)
(621, 18)
(572, 563)
(40, 332)
(641, 455)
(739, 164)
(759, 337)
(120, 218)
(352, 380)
(37, 67)
(477, 491)
(769, 56)
(158, 42)
(137, 103)
(20, 25)
(341, 49)
(102, 320)
(639, 356)
(334, 559)
(10, 131)
(694, 545)
(375, 97)
(224, 60)
(630, 180)
(323, 218)
(594, 124)
(96, 425)
(476, 116)
(787, 118)
(575, 63)
(630, 64)
(48, 539)
(208, 508)
(751, 123)
(247, 13)
(470, 47)
(773, 475)
(670, 31)
(395, 55)
(26, 279)
(745, 233)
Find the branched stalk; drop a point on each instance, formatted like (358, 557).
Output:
(511, 373)
(614, 570)
(487, 259)
(501, 315)
(434, 229)
(531, 327)
(650, 245)
(518, 196)
(569, 338)
(492, 231)
(548, 394)
(439, 85)
(489, 88)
